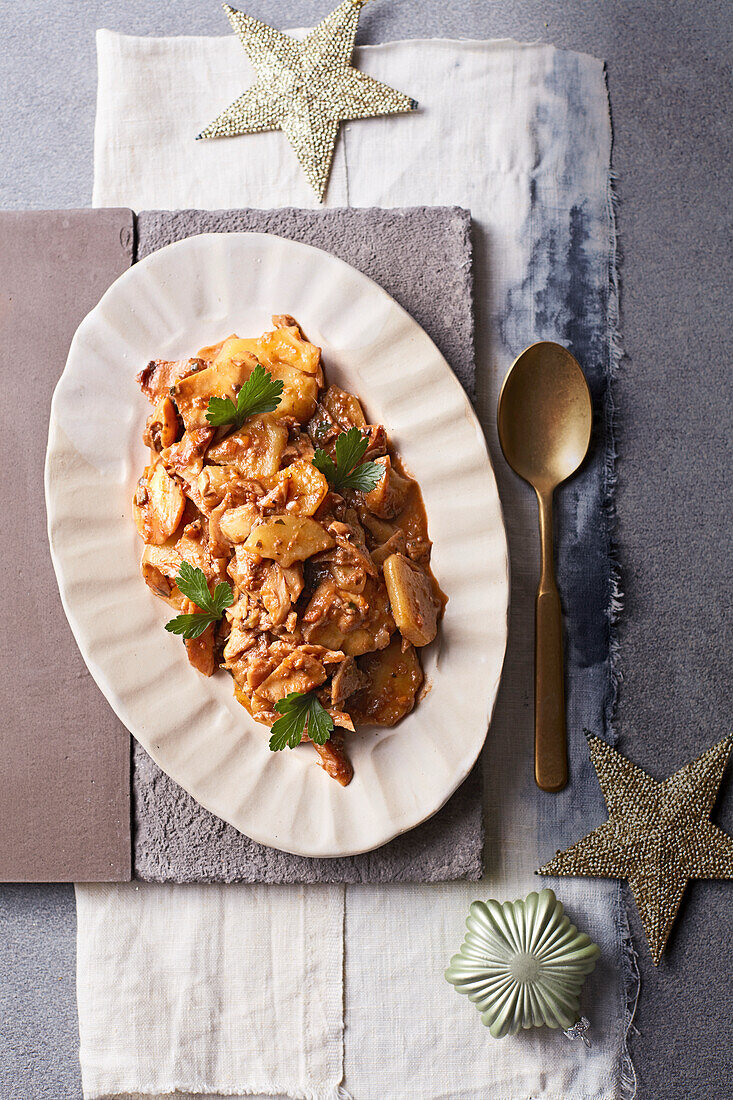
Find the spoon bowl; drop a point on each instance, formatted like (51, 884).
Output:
(544, 419)
(545, 415)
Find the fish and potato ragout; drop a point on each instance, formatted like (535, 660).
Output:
(284, 530)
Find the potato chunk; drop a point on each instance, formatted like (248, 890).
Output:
(234, 349)
(411, 599)
(395, 679)
(255, 450)
(284, 360)
(306, 487)
(300, 391)
(157, 505)
(288, 345)
(221, 379)
(287, 539)
(236, 523)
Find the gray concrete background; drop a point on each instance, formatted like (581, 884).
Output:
(670, 84)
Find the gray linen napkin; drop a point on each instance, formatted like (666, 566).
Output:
(422, 257)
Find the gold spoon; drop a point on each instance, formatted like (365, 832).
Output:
(544, 419)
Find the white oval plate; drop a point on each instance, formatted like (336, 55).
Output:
(193, 293)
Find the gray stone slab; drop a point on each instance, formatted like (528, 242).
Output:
(39, 1033)
(422, 256)
(669, 80)
(177, 840)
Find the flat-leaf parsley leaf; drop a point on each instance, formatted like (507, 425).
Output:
(349, 471)
(301, 713)
(259, 394)
(192, 582)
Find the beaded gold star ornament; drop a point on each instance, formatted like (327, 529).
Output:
(306, 89)
(658, 835)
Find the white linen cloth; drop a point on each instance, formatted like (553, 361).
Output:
(184, 987)
(213, 989)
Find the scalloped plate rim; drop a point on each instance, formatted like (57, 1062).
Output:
(100, 676)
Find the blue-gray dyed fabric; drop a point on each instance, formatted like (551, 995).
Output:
(568, 293)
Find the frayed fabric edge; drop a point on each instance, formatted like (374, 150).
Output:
(629, 960)
(632, 987)
(610, 473)
(336, 1092)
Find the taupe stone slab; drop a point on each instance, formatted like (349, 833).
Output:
(64, 756)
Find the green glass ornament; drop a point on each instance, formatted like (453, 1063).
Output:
(523, 964)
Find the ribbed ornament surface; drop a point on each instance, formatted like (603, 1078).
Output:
(523, 964)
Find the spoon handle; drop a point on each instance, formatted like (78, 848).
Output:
(550, 740)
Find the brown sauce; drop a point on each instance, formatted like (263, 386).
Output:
(413, 521)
